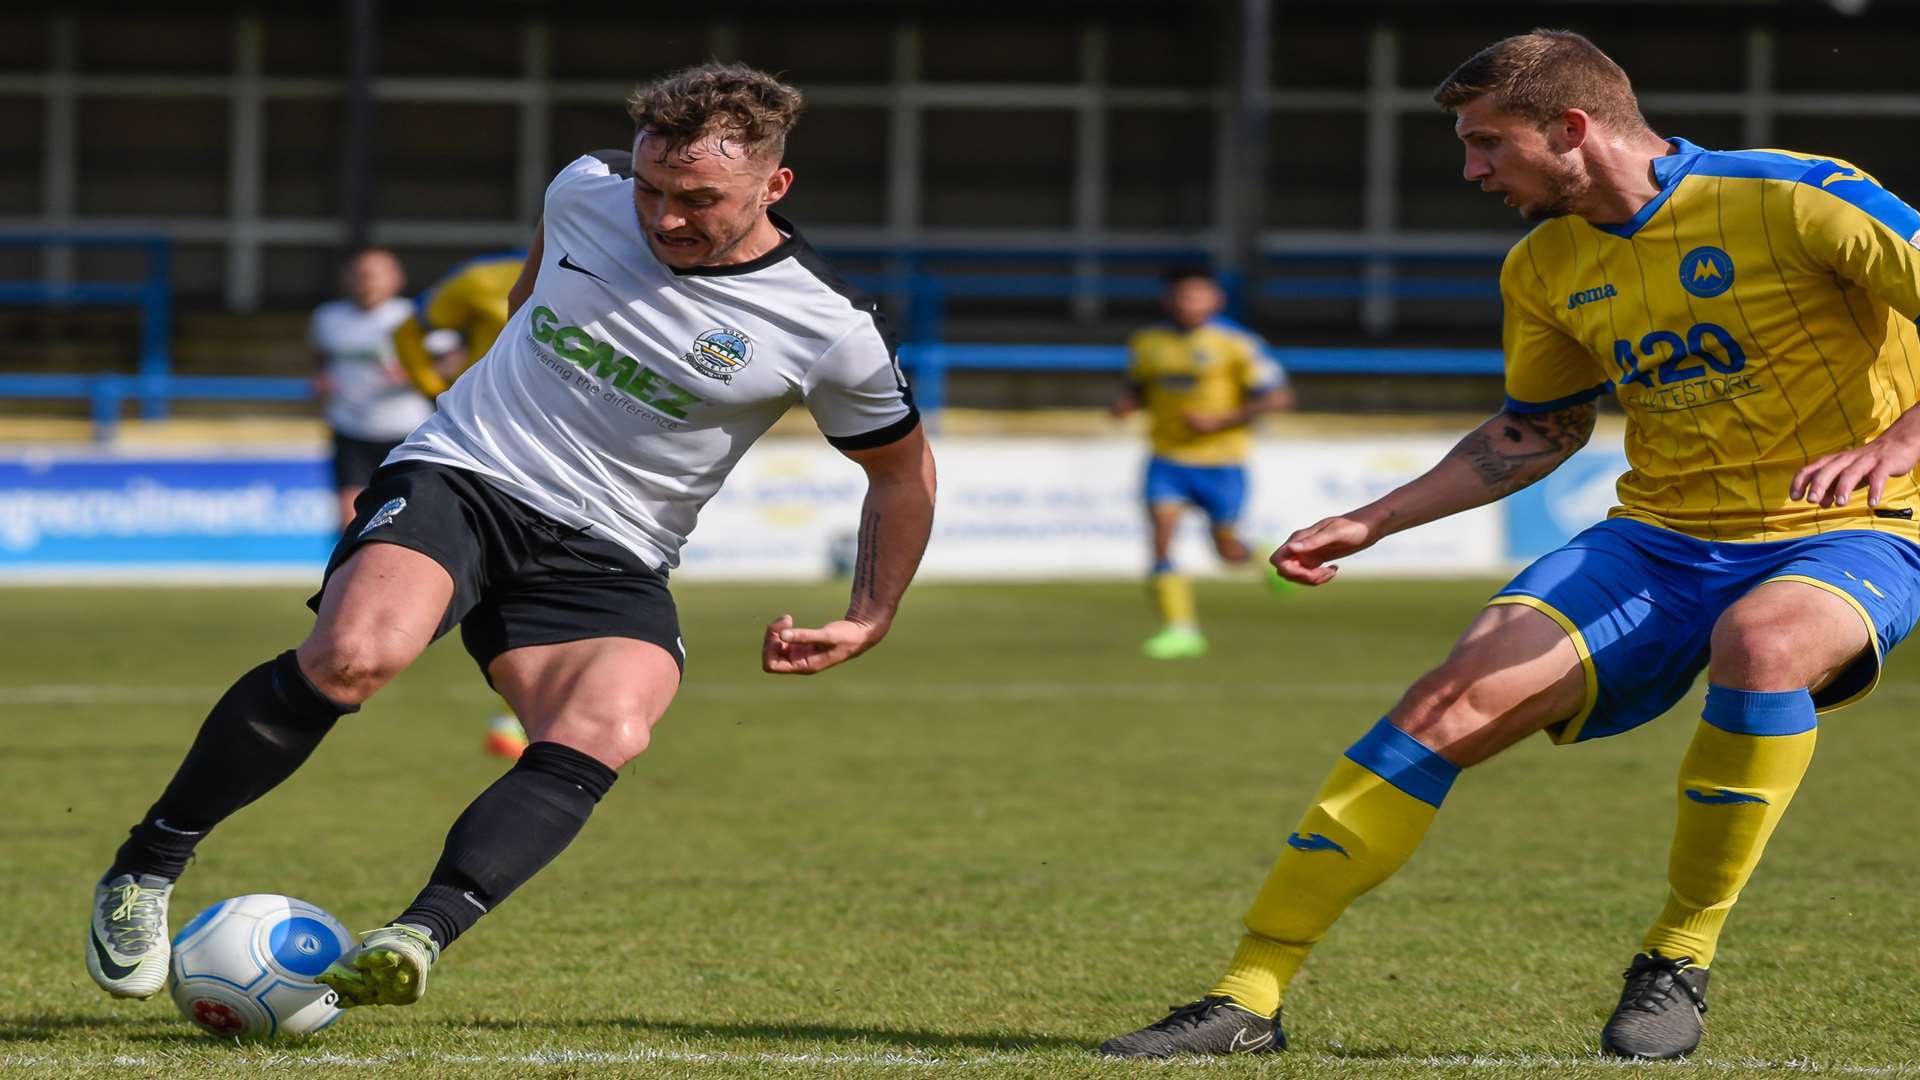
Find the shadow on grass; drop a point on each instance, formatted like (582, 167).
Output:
(1011, 1042)
(47, 1027)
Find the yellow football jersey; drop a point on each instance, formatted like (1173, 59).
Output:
(471, 301)
(1754, 316)
(1211, 369)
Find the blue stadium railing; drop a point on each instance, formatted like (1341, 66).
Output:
(927, 365)
(152, 295)
(927, 280)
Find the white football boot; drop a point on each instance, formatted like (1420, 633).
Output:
(127, 946)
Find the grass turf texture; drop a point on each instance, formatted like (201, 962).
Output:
(996, 841)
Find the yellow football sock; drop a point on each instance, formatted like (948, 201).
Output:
(1174, 593)
(1370, 814)
(1745, 763)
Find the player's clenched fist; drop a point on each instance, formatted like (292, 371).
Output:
(1303, 558)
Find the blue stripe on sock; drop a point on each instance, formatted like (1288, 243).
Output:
(1759, 712)
(1401, 760)
(1163, 566)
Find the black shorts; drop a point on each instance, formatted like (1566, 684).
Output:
(519, 577)
(354, 460)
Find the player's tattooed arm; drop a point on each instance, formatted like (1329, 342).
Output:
(1515, 449)
(866, 563)
(1495, 460)
(895, 522)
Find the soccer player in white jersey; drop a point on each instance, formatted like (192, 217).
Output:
(663, 321)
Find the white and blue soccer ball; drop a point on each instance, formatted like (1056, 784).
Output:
(244, 967)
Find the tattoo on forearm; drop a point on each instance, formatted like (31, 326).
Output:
(867, 560)
(1522, 447)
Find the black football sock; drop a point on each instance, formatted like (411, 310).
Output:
(255, 737)
(514, 828)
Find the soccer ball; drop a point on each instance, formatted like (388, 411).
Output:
(244, 967)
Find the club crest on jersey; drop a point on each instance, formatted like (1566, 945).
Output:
(1706, 272)
(383, 516)
(720, 353)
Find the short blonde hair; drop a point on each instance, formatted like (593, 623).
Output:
(1540, 75)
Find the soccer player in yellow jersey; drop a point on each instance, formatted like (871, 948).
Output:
(455, 322)
(1202, 380)
(1753, 312)
(453, 325)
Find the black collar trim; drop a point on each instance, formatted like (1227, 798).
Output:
(785, 249)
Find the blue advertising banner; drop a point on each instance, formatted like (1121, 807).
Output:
(81, 511)
(1572, 497)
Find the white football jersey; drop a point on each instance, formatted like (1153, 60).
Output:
(623, 391)
(369, 399)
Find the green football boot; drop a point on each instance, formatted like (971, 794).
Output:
(389, 968)
(1175, 643)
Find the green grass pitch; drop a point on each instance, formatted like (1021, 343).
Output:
(978, 851)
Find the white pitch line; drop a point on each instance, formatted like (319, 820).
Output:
(1468, 1063)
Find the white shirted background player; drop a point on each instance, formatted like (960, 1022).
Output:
(366, 399)
(664, 319)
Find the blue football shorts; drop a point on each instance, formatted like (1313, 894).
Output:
(1220, 491)
(1640, 603)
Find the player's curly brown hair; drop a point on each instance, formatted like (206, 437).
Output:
(747, 108)
(1541, 75)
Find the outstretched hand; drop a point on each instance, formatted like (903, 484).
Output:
(1303, 558)
(793, 650)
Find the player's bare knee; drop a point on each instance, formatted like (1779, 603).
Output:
(1230, 547)
(1431, 703)
(614, 731)
(1756, 648)
(1752, 655)
(350, 669)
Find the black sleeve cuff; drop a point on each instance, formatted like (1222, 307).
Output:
(885, 436)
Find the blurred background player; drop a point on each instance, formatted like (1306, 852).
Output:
(452, 326)
(454, 323)
(1202, 380)
(368, 401)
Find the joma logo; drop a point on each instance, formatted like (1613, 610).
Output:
(1588, 296)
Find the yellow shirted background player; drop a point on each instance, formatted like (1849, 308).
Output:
(456, 321)
(454, 324)
(1753, 313)
(1202, 379)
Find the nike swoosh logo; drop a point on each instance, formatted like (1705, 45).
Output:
(1239, 1047)
(567, 263)
(1839, 176)
(112, 970)
(1723, 797)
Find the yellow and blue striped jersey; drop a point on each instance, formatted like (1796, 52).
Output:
(471, 301)
(1214, 368)
(1755, 315)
